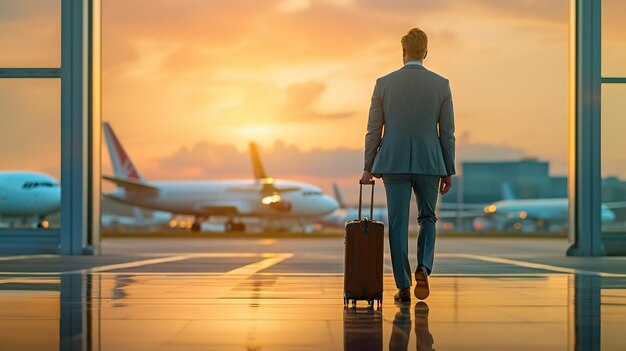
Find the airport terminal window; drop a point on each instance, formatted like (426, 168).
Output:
(30, 172)
(613, 45)
(613, 210)
(30, 33)
(613, 161)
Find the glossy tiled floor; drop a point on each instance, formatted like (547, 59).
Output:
(239, 302)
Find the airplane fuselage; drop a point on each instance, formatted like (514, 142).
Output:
(24, 194)
(237, 198)
(547, 209)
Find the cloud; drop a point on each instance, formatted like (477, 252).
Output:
(296, 102)
(302, 99)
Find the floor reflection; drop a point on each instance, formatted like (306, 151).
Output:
(362, 329)
(131, 312)
(423, 338)
(401, 328)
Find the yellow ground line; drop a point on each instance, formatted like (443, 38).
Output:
(265, 263)
(269, 259)
(313, 274)
(30, 281)
(132, 264)
(26, 257)
(533, 265)
(201, 254)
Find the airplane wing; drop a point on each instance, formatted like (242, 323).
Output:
(263, 189)
(132, 185)
(462, 206)
(462, 214)
(615, 205)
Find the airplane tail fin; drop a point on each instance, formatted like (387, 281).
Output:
(507, 192)
(338, 196)
(257, 166)
(122, 164)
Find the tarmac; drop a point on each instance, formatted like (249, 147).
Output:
(286, 294)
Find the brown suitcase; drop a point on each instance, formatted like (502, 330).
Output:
(363, 275)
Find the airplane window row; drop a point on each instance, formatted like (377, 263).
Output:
(309, 193)
(32, 185)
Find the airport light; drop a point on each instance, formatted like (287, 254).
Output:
(490, 209)
(272, 199)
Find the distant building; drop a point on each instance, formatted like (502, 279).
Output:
(483, 182)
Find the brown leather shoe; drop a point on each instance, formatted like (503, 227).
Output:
(403, 295)
(422, 290)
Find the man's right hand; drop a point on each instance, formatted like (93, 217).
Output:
(445, 184)
(366, 178)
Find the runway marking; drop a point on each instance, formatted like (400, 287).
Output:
(132, 264)
(25, 274)
(23, 280)
(268, 261)
(25, 257)
(271, 259)
(200, 254)
(309, 274)
(533, 265)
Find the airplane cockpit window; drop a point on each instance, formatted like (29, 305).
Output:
(33, 185)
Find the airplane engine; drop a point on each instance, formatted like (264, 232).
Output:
(277, 203)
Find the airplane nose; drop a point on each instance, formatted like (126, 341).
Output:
(53, 199)
(330, 204)
(607, 215)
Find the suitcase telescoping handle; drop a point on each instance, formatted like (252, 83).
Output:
(361, 199)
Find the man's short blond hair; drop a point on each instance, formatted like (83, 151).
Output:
(415, 43)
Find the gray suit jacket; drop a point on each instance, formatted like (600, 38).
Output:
(414, 105)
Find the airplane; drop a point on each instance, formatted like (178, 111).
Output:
(345, 213)
(549, 210)
(262, 197)
(27, 195)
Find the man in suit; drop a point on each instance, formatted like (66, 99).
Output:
(416, 153)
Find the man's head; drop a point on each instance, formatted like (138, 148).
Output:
(414, 45)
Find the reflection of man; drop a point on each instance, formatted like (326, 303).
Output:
(416, 153)
(402, 328)
(423, 338)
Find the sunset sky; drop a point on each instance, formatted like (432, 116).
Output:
(187, 83)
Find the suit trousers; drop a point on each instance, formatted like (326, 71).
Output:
(398, 188)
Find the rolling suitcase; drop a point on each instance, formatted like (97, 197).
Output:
(364, 246)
